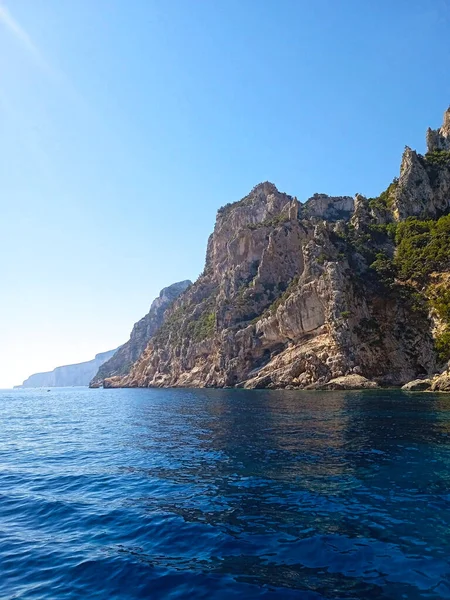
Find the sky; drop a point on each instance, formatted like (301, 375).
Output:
(125, 125)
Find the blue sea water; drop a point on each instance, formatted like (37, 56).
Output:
(219, 494)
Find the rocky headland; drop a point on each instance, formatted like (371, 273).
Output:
(334, 293)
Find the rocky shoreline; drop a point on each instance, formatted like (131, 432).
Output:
(439, 383)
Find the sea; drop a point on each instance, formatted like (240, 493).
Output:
(221, 494)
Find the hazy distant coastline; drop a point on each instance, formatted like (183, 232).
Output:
(68, 375)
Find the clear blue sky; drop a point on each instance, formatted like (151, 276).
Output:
(125, 124)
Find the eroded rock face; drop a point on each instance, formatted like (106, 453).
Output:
(441, 382)
(123, 358)
(424, 184)
(418, 385)
(329, 208)
(438, 383)
(439, 139)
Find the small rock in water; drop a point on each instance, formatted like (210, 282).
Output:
(417, 385)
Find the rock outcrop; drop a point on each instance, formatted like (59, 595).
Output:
(79, 374)
(328, 208)
(348, 382)
(417, 385)
(122, 360)
(441, 382)
(439, 139)
(424, 183)
(308, 295)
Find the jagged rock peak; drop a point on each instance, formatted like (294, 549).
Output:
(233, 245)
(439, 139)
(361, 215)
(263, 203)
(329, 208)
(423, 188)
(170, 292)
(263, 194)
(265, 187)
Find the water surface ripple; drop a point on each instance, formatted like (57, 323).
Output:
(218, 494)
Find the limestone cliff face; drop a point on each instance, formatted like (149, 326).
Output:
(424, 184)
(121, 361)
(441, 382)
(423, 187)
(68, 375)
(439, 139)
(321, 206)
(302, 295)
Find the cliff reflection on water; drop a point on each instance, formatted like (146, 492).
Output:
(228, 493)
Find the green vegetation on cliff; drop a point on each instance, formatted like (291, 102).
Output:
(400, 259)
(385, 200)
(440, 158)
(443, 344)
(181, 325)
(422, 248)
(439, 300)
(203, 327)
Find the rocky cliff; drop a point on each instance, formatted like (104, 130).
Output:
(335, 292)
(121, 362)
(68, 375)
